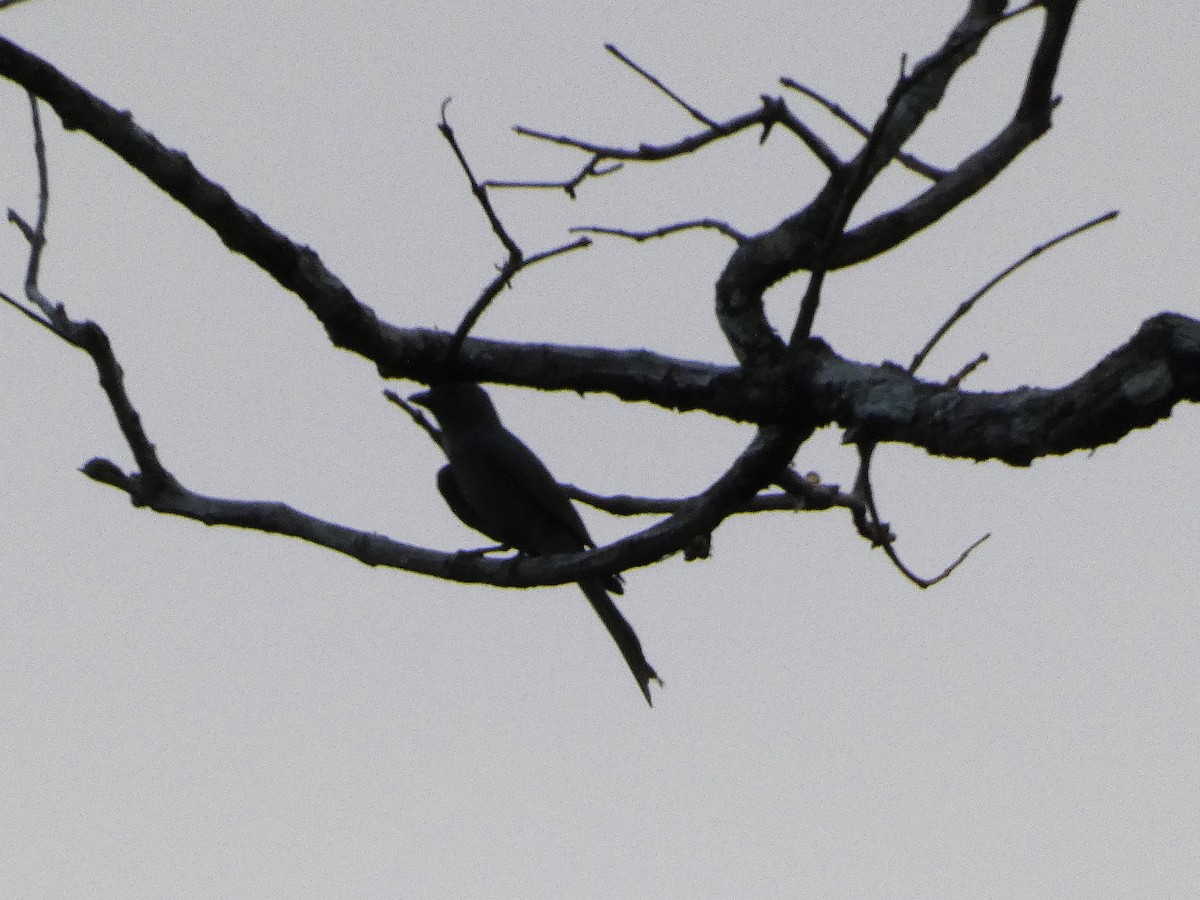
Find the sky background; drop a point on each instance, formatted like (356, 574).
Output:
(194, 712)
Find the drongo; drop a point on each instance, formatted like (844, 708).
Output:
(498, 486)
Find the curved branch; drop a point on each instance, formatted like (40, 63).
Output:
(1133, 387)
(797, 243)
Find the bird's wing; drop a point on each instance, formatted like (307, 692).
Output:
(510, 454)
(453, 495)
(535, 494)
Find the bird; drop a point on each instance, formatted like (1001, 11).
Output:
(499, 487)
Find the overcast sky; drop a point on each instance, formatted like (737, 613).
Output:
(193, 712)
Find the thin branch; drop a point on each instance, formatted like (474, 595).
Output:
(506, 274)
(933, 173)
(958, 377)
(592, 169)
(25, 311)
(772, 111)
(651, 152)
(36, 234)
(417, 415)
(967, 305)
(871, 523)
(639, 236)
(477, 189)
(1033, 4)
(691, 110)
(85, 335)
(945, 573)
(516, 258)
(775, 110)
(801, 494)
(849, 191)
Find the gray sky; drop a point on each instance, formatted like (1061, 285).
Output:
(193, 712)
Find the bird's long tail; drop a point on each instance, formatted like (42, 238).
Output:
(622, 632)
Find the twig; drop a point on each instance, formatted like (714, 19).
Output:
(801, 494)
(1033, 4)
(639, 236)
(692, 111)
(86, 335)
(507, 271)
(477, 189)
(945, 573)
(957, 378)
(417, 415)
(593, 169)
(651, 152)
(966, 306)
(863, 490)
(933, 173)
(516, 258)
(857, 179)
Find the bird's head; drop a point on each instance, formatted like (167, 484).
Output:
(457, 402)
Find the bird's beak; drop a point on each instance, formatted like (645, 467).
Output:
(420, 398)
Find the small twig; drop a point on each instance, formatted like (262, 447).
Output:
(477, 189)
(20, 307)
(639, 236)
(652, 152)
(506, 274)
(966, 306)
(945, 573)
(863, 490)
(593, 169)
(775, 110)
(516, 258)
(801, 494)
(957, 378)
(933, 173)
(35, 235)
(852, 189)
(691, 110)
(86, 335)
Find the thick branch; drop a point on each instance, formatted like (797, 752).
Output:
(797, 243)
(1133, 387)
(350, 324)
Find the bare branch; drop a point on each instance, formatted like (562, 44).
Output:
(503, 278)
(478, 189)
(941, 576)
(870, 526)
(933, 173)
(417, 415)
(691, 110)
(967, 305)
(773, 111)
(651, 152)
(723, 227)
(802, 494)
(592, 169)
(516, 258)
(957, 378)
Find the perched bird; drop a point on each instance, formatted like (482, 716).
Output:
(497, 486)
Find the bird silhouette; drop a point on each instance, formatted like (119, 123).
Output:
(496, 485)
